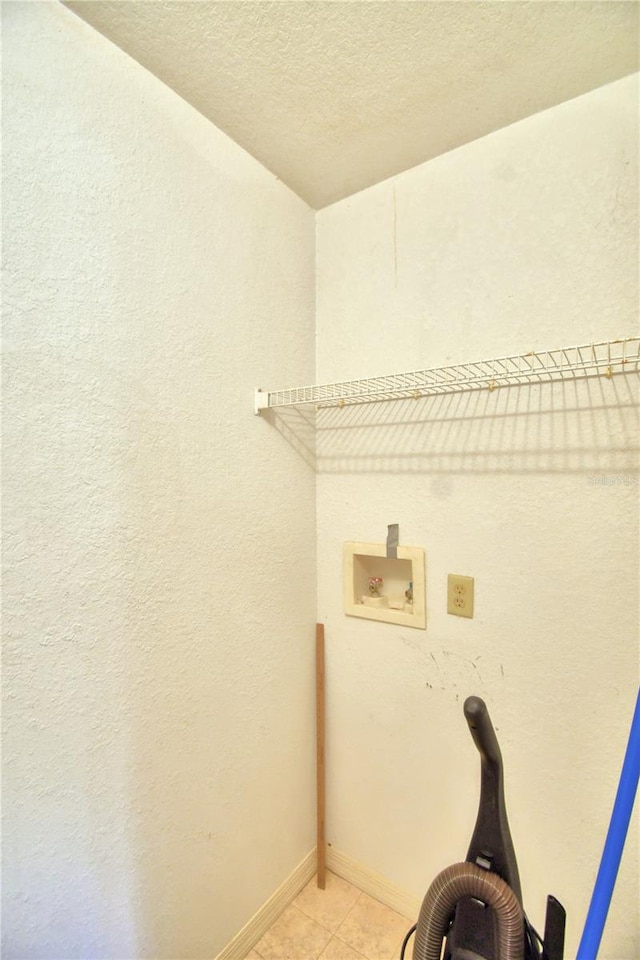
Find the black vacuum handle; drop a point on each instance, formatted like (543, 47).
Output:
(481, 729)
(491, 843)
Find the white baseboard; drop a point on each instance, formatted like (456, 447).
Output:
(260, 922)
(372, 883)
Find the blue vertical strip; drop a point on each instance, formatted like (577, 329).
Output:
(614, 844)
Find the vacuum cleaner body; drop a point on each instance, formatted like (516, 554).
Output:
(473, 934)
(476, 906)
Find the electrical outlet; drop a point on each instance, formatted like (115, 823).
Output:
(459, 595)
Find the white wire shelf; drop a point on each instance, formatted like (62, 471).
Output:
(607, 358)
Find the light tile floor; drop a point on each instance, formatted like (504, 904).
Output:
(337, 923)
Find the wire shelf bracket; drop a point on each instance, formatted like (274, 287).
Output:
(606, 358)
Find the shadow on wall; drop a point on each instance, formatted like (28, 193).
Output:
(570, 427)
(298, 427)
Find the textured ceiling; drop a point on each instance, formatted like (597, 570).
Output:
(335, 96)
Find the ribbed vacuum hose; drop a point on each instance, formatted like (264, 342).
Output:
(468, 880)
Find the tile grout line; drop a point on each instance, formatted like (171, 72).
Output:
(321, 925)
(399, 942)
(347, 944)
(346, 916)
(332, 932)
(309, 917)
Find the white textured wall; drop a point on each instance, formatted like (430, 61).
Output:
(158, 539)
(525, 239)
(159, 568)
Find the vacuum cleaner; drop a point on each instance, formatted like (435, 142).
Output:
(473, 910)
